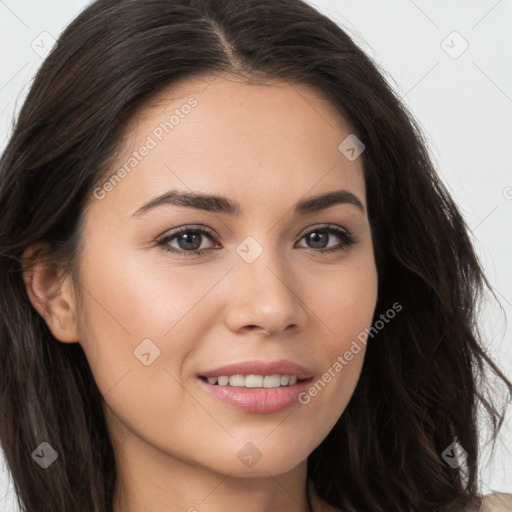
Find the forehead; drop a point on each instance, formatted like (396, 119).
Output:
(264, 142)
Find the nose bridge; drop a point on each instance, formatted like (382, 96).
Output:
(260, 255)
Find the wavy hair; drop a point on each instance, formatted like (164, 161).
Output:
(424, 376)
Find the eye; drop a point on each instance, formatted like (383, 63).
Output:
(189, 240)
(319, 236)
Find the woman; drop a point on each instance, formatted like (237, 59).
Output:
(231, 276)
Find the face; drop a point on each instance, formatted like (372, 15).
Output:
(282, 288)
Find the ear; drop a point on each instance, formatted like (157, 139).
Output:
(50, 291)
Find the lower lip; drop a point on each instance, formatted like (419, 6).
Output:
(259, 400)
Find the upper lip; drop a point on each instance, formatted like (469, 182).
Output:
(263, 368)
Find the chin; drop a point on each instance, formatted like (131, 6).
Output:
(252, 462)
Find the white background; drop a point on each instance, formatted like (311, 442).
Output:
(464, 105)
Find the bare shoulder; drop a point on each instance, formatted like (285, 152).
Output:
(497, 502)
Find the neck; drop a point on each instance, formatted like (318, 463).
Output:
(148, 479)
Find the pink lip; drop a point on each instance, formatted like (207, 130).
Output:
(281, 366)
(258, 400)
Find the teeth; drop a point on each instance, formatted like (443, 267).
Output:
(254, 381)
(272, 381)
(237, 380)
(251, 381)
(223, 381)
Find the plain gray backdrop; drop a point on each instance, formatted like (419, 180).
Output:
(451, 62)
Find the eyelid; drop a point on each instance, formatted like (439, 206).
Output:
(188, 227)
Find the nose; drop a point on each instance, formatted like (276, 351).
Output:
(264, 295)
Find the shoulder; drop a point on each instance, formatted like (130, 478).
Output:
(497, 502)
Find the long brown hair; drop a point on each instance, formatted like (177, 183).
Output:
(424, 375)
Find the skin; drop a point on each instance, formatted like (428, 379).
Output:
(267, 147)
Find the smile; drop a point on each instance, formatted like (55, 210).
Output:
(254, 381)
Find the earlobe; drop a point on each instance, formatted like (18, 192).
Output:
(51, 293)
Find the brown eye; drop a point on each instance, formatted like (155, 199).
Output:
(319, 238)
(189, 241)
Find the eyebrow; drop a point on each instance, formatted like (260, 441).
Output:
(219, 204)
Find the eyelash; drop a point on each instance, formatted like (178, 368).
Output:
(348, 240)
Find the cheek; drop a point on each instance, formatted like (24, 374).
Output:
(344, 311)
(135, 364)
(346, 301)
(142, 322)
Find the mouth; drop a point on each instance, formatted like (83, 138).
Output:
(258, 374)
(257, 386)
(261, 394)
(260, 400)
